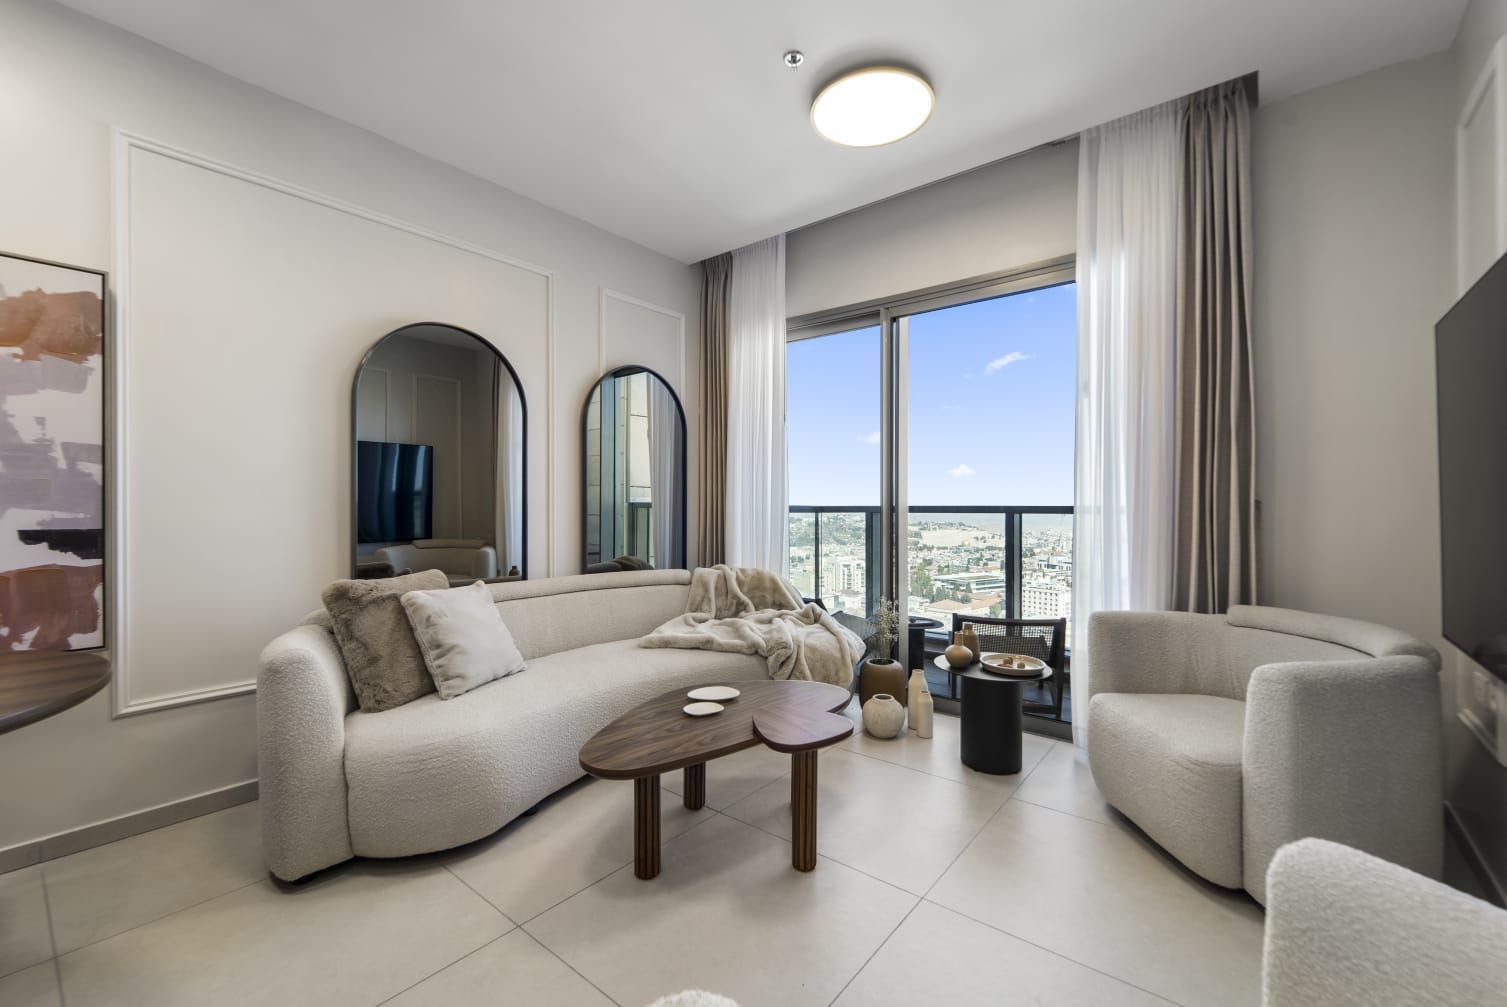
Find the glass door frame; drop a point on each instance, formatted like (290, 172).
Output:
(892, 316)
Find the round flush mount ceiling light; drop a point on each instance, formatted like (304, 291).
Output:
(872, 106)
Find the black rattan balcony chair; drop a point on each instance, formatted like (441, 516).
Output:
(1043, 639)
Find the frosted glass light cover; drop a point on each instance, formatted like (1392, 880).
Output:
(873, 106)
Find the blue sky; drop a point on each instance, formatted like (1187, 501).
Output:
(991, 406)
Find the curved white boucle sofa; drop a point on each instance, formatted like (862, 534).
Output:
(338, 783)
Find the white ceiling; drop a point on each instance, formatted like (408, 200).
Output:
(675, 123)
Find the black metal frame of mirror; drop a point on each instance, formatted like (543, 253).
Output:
(355, 430)
(625, 372)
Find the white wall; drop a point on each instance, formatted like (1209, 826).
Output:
(999, 217)
(65, 82)
(1353, 197)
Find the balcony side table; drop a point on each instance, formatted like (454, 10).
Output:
(917, 628)
(991, 715)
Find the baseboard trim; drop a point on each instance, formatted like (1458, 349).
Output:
(1456, 830)
(61, 844)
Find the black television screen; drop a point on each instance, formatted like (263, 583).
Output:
(1471, 344)
(394, 491)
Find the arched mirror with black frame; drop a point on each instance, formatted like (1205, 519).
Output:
(634, 481)
(439, 458)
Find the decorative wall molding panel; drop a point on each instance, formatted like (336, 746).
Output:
(233, 399)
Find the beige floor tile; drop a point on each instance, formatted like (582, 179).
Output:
(734, 777)
(24, 939)
(1062, 782)
(939, 957)
(895, 823)
(101, 892)
(514, 969)
(33, 987)
(1106, 897)
(357, 936)
(940, 755)
(727, 914)
(575, 838)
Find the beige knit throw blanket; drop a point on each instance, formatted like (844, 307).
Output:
(744, 611)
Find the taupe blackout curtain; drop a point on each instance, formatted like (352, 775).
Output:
(711, 505)
(1215, 514)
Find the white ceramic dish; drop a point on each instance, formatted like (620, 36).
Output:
(701, 709)
(1013, 665)
(714, 693)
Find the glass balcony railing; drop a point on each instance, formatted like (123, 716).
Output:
(1007, 561)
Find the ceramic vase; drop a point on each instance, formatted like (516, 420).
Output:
(966, 637)
(878, 676)
(914, 691)
(920, 715)
(883, 716)
(958, 656)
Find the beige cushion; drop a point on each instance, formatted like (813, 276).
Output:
(381, 655)
(432, 775)
(462, 638)
(1172, 764)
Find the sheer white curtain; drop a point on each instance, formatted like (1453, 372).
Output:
(1127, 266)
(756, 519)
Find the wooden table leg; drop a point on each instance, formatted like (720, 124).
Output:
(646, 827)
(803, 810)
(695, 786)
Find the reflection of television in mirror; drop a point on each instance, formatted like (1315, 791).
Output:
(1472, 371)
(394, 491)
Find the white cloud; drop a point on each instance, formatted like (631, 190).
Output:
(960, 471)
(872, 438)
(1000, 363)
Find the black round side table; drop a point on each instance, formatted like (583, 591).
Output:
(991, 716)
(919, 624)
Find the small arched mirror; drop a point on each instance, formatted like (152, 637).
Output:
(439, 458)
(634, 481)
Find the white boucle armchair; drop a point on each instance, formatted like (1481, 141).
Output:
(1225, 737)
(1343, 928)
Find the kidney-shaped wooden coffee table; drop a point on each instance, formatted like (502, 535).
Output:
(656, 737)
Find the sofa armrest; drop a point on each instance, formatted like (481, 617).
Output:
(1343, 927)
(484, 566)
(1149, 652)
(302, 698)
(1350, 751)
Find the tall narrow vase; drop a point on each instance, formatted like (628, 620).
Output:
(913, 691)
(920, 715)
(968, 638)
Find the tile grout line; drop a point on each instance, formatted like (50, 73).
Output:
(887, 938)
(825, 856)
(540, 941)
(457, 961)
(1050, 951)
(562, 961)
(52, 940)
(619, 868)
(159, 919)
(962, 783)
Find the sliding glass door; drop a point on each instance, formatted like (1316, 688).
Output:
(931, 445)
(833, 416)
(989, 431)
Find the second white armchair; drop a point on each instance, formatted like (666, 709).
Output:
(1225, 737)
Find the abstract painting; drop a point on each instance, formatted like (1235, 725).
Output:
(52, 455)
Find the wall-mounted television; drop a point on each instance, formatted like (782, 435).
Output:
(1471, 348)
(395, 492)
